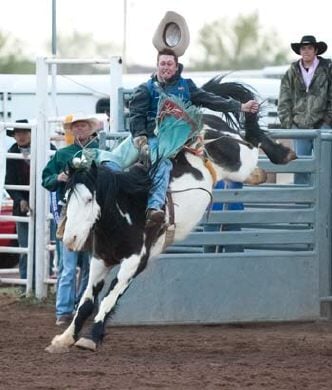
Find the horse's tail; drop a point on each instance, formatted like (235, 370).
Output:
(277, 153)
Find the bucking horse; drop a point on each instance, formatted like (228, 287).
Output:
(106, 210)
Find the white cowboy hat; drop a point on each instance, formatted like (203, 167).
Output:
(172, 33)
(70, 119)
(11, 131)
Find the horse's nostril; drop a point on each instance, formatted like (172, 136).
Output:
(74, 238)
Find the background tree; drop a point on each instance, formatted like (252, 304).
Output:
(83, 45)
(12, 59)
(239, 44)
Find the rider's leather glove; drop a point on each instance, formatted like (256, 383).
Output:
(140, 141)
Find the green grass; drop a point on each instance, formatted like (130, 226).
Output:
(15, 292)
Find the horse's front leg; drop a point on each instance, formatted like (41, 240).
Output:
(98, 273)
(129, 268)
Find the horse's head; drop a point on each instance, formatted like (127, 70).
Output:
(82, 207)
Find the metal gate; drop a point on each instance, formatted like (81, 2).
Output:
(283, 273)
(30, 220)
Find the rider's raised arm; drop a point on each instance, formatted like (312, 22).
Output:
(199, 97)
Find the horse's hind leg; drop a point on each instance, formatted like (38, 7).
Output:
(98, 273)
(129, 268)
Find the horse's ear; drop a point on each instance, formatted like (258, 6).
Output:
(94, 166)
(69, 168)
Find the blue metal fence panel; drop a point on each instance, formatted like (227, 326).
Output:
(284, 266)
(219, 289)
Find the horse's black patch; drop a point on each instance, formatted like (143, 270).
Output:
(97, 334)
(97, 288)
(83, 313)
(224, 150)
(122, 196)
(182, 166)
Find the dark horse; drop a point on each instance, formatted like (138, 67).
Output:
(106, 210)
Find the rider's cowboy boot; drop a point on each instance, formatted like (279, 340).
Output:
(154, 218)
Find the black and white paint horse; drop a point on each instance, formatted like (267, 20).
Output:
(106, 212)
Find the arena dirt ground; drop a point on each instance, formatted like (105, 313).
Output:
(248, 356)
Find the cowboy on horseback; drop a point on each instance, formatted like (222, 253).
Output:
(144, 107)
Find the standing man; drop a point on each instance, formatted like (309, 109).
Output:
(305, 99)
(83, 128)
(18, 173)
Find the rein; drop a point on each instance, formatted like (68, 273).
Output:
(239, 141)
(170, 227)
(200, 151)
(195, 188)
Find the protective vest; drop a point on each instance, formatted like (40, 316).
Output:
(180, 89)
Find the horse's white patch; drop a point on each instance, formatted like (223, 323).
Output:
(125, 275)
(124, 215)
(191, 198)
(82, 212)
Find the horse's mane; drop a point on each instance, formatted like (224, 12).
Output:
(109, 185)
(218, 124)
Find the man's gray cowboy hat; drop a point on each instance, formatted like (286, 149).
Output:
(172, 33)
(11, 131)
(309, 40)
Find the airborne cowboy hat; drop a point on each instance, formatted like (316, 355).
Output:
(11, 131)
(172, 33)
(309, 40)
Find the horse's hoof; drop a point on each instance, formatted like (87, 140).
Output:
(57, 349)
(286, 155)
(258, 176)
(291, 156)
(85, 343)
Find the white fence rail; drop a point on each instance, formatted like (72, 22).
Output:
(38, 247)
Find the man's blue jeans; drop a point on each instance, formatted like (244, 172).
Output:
(66, 296)
(22, 229)
(225, 227)
(304, 147)
(124, 156)
(160, 178)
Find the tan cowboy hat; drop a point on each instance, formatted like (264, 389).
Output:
(309, 40)
(172, 33)
(72, 118)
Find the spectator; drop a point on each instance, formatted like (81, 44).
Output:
(305, 99)
(54, 178)
(18, 173)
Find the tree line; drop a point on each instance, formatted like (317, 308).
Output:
(222, 45)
